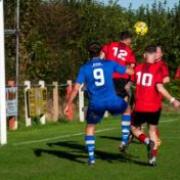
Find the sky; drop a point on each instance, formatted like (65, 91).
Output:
(137, 3)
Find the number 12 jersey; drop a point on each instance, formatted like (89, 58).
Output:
(120, 53)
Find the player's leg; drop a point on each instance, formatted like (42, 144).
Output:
(140, 135)
(153, 136)
(125, 128)
(94, 116)
(132, 105)
(143, 138)
(118, 106)
(158, 134)
(137, 122)
(126, 122)
(90, 142)
(153, 121)
(126, 116)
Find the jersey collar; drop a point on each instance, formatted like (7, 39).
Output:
(95, 58)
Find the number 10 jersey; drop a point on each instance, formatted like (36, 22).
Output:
(147, 98)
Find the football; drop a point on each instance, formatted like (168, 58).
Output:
(141, 28)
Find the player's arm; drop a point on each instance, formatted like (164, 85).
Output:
(72, 97)
(102, 55)
(131, 59)
(129, 84)
(123, 69)
(166, 80)
(79, 81)
(165, 72)
(132, 64)
(129, 70)
(103, 52)
(161, 89)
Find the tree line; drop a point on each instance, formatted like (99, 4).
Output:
(54, 34)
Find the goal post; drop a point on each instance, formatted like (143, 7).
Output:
(3, 123)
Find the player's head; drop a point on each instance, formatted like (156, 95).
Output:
(126, 37)
(94, 49)
(150, 54)
(159, 52)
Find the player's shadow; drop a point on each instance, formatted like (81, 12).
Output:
(118, 139)
(77, 153)
(61, 154)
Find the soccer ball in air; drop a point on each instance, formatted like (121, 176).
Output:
(141, 28)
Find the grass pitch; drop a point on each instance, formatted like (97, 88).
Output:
(56, 151)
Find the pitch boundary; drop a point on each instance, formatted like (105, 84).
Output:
(72, 135)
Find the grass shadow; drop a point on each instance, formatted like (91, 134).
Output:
(77, 153)
(118, 139)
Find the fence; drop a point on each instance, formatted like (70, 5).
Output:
(43, 101)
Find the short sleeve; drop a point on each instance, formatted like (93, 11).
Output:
(158, 78)
(133, 78)
(119, 68)
(165, 70)
(131, 58)
(81, 76)
(105, 49)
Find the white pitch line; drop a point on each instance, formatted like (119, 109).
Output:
(59, 137)
(73, 135)
(171, 120)
(168, 138)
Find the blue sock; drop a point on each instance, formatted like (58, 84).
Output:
(125, 128)
(90, 146)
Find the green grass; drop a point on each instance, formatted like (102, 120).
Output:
(66, 159)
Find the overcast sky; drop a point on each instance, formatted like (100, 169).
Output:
(137, 3)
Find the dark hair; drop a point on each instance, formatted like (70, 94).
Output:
(94, 49)
(125, 35)
(160, 46)
(150, 49)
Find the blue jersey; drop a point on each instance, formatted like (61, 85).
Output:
(97, 75)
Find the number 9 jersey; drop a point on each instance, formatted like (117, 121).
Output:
(147, 98)
(96, 74)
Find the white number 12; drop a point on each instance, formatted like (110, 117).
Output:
(120, 53)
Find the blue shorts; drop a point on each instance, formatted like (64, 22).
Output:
(96, 110)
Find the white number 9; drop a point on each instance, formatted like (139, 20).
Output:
(99, 77)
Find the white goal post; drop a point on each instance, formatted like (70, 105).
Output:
(3, 123)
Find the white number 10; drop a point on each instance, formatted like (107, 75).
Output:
(99, 77)
(146, 79)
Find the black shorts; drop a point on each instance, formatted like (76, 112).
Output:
(139, 118)
(119, 85)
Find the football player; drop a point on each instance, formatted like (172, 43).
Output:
(148, 100)
(163, 69)
(96, 75)
(121, 53)
(162, 64)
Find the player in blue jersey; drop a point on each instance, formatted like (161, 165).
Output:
(96, 75)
